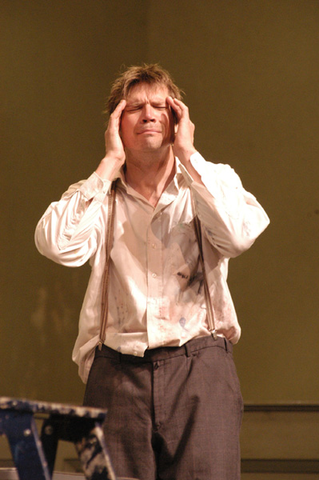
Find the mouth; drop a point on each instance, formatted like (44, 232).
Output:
(148, 131)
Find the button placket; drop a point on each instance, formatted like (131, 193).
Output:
(154, 280)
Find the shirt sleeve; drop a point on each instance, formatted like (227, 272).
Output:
(68, 231)
(232, 217)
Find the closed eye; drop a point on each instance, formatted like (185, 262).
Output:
(133, 108)
(137, 107)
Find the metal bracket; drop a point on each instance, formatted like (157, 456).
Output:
(34, 455)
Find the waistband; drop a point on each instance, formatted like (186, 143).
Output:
(163, 353)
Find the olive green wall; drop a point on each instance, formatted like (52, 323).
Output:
(58, 59)
(250, 70)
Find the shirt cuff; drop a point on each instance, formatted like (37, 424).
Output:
(222, 186)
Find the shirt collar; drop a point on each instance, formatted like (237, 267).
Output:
(178, 178)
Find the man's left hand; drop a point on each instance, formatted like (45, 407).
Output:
(183, 146)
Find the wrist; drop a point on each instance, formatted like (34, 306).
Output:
(108, 167)
(188, 164)
(184, 154)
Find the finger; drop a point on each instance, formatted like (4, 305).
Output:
(115, 117)
(171, 102)
(119, 109)
(181, 106)
(184, 110)
(180, 103)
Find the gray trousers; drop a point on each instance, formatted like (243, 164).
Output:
(174, 414)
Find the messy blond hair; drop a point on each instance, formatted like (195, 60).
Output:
(152, 74)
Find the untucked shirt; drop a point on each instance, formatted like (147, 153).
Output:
(156, 294)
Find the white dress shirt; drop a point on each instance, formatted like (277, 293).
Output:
(156, 295)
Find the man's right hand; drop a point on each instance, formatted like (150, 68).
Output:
(114, 148)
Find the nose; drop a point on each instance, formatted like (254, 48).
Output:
(148, 114)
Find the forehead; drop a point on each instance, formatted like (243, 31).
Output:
(145, 92)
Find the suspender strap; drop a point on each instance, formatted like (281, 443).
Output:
(210, 312)
(108, 246)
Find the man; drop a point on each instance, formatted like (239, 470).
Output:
(171, 388)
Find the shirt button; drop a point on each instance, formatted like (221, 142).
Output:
(153, 245)
(154, 275)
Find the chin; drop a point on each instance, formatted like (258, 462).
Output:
(153, 144)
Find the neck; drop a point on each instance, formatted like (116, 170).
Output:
(150, 173)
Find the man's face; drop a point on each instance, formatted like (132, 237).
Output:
(147, 122)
